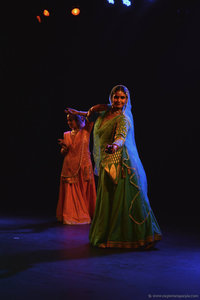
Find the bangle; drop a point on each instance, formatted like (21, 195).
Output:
(117, 147)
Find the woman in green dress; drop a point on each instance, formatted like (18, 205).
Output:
(123, 216)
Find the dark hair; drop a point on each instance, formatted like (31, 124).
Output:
(118, 88)
(78, 119)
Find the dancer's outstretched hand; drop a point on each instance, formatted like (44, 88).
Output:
(71, 111)
(110, 149)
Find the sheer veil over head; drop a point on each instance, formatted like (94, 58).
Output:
(130, 143)
(131, 153)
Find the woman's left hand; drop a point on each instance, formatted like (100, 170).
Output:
(72, 111)
(110, 149)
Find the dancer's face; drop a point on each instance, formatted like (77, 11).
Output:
(119, 99)
(71, 122)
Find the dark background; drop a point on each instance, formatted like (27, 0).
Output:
(151, 47)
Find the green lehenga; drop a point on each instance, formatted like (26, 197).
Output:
(123, 216)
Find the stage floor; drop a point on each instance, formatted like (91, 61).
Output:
(43, 259)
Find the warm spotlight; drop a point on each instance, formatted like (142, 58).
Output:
(46, 13)
(75, 11)
(39, 19)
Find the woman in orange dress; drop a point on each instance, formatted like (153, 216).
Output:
(77, 194)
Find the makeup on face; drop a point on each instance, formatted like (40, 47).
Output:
(119, 99)
(71, 122)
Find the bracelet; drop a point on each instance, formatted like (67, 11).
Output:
(116, 148)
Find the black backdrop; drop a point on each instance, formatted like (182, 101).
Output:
(151, 47)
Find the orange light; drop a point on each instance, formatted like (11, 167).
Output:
(75, 11)
(46, 13)
(39, 19)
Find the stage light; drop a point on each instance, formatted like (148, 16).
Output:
(75, 11)
(39, 19)
(111, 1)
(126, 2)
(46, 13)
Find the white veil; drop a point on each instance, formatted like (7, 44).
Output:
(130, 146)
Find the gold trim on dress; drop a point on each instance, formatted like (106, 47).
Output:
(138, 187)
(139, 223)
(106, 168)
(150, 240)
(69, 179)
(113, 172)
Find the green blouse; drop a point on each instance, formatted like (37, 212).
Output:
(112, 131)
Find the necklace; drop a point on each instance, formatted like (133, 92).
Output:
(74, 131)
(116, 112)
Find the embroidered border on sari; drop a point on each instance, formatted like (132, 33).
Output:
(147, 243)
(129, 169)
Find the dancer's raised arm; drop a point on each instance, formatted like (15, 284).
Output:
(93, 109)
(75, 112)
(97, 108)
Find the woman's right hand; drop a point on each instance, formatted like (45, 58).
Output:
(63, 145)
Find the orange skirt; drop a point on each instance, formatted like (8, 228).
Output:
(76, 203)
